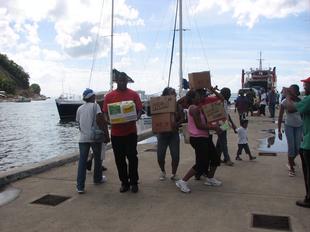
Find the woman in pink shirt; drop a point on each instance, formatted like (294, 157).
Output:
(207, 158)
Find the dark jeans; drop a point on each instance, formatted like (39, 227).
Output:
(262, 109)
(84, 151)
(206, 154)
(126, 147)
(245, 147)
(272, 109)
(305, 160)
(221, 145)
(171, 139)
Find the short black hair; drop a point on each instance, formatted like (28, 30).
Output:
(244, 121)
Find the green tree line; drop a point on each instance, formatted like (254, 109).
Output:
(12, 76)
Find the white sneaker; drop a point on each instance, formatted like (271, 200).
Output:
(162, 176)
(182, 185)
(213, 182)
(103, 180)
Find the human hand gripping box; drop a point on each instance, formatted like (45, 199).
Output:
(122, 112)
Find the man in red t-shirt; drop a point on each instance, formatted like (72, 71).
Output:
(124, 135)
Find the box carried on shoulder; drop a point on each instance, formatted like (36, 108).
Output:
(199, 80)
(122, 112)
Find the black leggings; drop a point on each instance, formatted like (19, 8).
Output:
(206, 154)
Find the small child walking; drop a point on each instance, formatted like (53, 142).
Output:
(243, 140)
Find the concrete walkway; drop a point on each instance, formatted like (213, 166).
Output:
(249, 187)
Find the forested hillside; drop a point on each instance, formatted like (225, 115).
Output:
(13, 78)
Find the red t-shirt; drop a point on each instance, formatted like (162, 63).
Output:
(118, 96)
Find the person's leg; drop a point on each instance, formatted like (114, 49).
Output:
(264, 110)
(162, 144)
(174, 147)
(81, 175)
(199, 145)
(223, 143)
(103, 147)
(239, 151)
(298, 137)
(96, 147)
(218, 147)
(213, 162)
(290, 137)
(305, 160)
(131, 152)
(248, 152)
(120, 159)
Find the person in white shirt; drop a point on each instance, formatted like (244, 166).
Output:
(243, 140)
(85, 116)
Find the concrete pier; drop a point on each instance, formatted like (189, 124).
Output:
(260, 187)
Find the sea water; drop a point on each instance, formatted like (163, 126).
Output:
(31, 132)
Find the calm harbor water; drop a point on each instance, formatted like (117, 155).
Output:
(31, 132)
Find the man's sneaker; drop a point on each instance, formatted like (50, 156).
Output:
(134, 188)
(252, 157)
(174, 177)
(229, 163)
(182, 185)
(103, 180)
(303, 203)
(162, 176)
(291, 173)
(124, 188)
(238, 158)
(213, 182)
(80, 191)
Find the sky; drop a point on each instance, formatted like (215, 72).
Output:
(64, 45)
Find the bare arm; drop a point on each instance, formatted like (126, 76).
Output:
(280, 118)
(214, 90)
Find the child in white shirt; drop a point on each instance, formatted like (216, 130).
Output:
(243, 140)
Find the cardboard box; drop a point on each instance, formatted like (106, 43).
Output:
(199, 80)
(122, 112)
(163, 122)
(163, 104)
(214, 112)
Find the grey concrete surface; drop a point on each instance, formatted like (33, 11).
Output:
(261, 186)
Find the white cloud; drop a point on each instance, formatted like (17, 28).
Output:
(248, 12)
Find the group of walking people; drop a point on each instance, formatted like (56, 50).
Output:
(207, 154)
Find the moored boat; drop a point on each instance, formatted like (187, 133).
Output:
(67, 107)
(259, 78)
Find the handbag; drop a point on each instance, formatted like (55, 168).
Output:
(97, 135)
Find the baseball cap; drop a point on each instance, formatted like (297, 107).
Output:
(88, 93)
(306, 80)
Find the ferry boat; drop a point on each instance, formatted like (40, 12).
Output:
(259, 78)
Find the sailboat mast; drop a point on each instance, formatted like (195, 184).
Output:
(111, 55)
(181, 48)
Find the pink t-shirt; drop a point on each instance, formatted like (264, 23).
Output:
(192, 129)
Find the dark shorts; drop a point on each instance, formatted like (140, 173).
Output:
(206, 154)
(245, 147)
